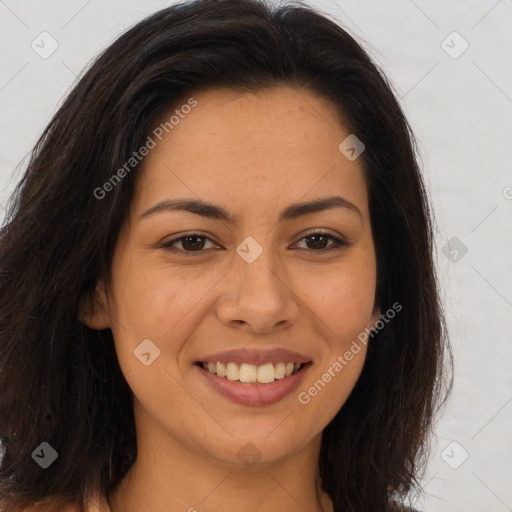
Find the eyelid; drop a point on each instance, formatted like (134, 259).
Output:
(197, 234)
(338, 242)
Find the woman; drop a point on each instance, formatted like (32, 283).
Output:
(217, 288)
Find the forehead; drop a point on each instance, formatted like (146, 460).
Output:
(276, 116)
(275, 142)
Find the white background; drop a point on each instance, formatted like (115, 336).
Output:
(461, 112)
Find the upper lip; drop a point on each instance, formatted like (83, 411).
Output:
(257, 357)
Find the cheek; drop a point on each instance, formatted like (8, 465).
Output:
(154, 301)
(342, 306)
(342, 298)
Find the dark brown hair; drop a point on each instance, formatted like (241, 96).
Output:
(60, 382)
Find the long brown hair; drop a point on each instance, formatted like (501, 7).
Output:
(60, 382)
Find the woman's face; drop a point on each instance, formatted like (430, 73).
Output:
(254, 285)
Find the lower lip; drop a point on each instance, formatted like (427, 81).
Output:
(255, 394)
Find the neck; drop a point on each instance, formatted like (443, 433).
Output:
(169, 477)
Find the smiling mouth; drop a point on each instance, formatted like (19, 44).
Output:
(251, 373)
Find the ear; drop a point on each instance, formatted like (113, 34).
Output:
(94, 311)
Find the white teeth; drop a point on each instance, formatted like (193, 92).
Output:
(221, 370)
(248, 372)
(266, 373)
(232, 371)
(280, 371)
(251, 373)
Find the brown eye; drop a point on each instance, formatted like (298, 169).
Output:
(318, 242)
(190, 243)
(195, 243)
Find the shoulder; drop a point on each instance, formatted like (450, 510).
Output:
(400, 507)
(98, 503)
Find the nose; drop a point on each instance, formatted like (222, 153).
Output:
(258, 298)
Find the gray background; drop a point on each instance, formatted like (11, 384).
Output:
(460, 107)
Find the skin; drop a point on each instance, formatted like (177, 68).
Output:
(254, 154)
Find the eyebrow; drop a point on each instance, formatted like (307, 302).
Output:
(212, 211)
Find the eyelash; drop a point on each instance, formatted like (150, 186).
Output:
(338, 243)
